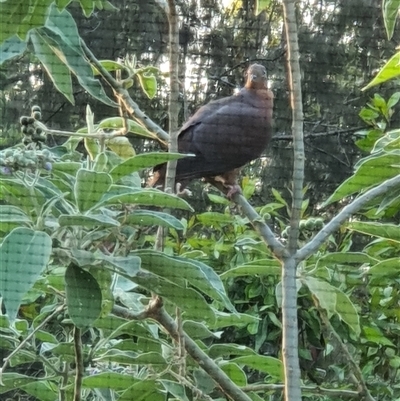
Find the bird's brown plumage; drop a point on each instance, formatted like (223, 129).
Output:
(225, 134)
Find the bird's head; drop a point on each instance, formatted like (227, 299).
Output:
(256, 77)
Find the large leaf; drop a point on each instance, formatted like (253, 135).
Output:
(389, 71)
(176, 269)
(119, 194)
(390, 9)
(62, 35)
(382, 230)
(142, 161)
(334, 301)
(262, 267)
(266, 364)
(145, 390)
(113, 380)
(83, 295)
(87, 221)
(90, 187)
(152, 218)
(133, 126)
(11, 47)
(370, 171)
(24, 254)
(58, 72)
(18, 18)
(10, 216)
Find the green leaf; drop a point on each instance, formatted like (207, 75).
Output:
(87, 7)
(370, 171)
(110, 66)
(218, 199)
(132, 126)
(87, 221)
(148, 83)
(11, 48)
(58, 72)
(121, 146)
(83, 296)
(347, 311)
(112, 380)
(215, 218)
(132, 358)
(198, 330)
(11, 381)
(119, 194)
(24, 254)
(265, 364)
(10, 216)
(390, 10)
(261, 5)
(387, 230)
(35, 17)
(144, 160)
(227, 350)
(262, 267)
(176, 269)
(152, 218)
(234, 372)
(324, 292)
(176, 389)
(42, 390)
(389, 71)
(374, 335)
(90, 187)
(355, 259)
(61, 30)
(12, 14)
(388, 268)
(143, 391)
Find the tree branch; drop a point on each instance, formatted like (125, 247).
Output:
(290, 340)
(132, 107)
(345, 213)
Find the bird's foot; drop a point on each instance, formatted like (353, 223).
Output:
(182, 193)
(233, 190)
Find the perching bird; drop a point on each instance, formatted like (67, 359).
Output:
(224, 135)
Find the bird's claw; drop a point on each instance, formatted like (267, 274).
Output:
(182, 193)
(233, 190)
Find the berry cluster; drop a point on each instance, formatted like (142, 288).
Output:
(32, 133)
(22, 159)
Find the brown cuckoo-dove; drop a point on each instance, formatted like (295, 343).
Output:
(224, 135)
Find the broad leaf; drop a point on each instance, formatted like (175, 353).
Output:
(90, 187)
(87, 221)
(24, 254)
(142, 161)
(11, 48)
(152, 218)
(386, 230)
(262, 267)
(265, 364)
(83, 295)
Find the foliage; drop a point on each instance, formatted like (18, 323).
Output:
(78, 236)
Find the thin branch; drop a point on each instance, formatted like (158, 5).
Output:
(204, 361)
(131, 106)
(29, 336)
(355, 368)
(79, 369)
(261, 227)
(345, 213)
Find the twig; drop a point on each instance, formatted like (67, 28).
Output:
(130, 105)
(6, 361)
(343, 215)
(355, 368)
(79, 364)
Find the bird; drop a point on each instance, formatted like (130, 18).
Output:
(223, 136)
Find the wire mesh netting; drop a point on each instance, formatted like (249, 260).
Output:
(115, 286)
